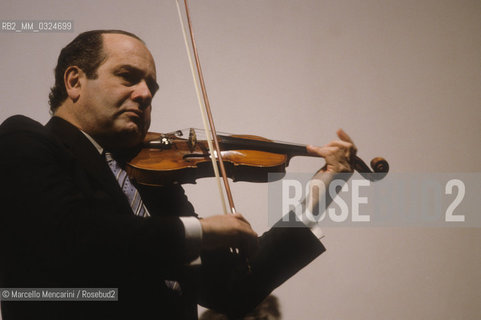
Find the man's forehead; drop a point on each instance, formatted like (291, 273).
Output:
(124, 47)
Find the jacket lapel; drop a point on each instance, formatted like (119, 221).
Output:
(89, 159)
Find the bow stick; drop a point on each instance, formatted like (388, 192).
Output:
(205, 111)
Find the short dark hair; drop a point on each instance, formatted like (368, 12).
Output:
(85, 52)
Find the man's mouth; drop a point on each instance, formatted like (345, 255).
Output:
(134, 113)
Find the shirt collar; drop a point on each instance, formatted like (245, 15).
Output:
(95, 143)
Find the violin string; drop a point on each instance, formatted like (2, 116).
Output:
(202, 110)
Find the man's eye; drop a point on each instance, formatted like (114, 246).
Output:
(129, 77)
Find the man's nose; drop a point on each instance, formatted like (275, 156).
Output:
(142, 94)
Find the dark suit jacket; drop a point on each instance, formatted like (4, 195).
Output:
(65, 222)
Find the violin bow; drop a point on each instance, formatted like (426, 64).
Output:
(205, 110)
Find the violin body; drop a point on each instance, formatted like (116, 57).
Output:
(167, 158)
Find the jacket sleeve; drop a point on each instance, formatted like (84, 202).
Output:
(234, 286)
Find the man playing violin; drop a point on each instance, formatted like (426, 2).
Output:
(67, 222)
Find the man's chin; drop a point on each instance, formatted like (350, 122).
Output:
(129, 136)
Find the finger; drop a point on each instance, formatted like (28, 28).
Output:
(244, 226)
(247, 232)
(341, 144)
(327, 152)
(344, 136)
(317, 151)
(241, 218)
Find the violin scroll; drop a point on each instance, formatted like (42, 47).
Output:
(379, 165)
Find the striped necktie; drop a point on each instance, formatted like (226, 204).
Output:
(128, 188)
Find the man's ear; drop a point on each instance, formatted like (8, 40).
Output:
(72, 77)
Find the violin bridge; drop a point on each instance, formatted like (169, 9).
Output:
(192, 141)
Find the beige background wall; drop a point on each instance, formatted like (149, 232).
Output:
(403, 78)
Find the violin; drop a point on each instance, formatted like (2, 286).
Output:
(183, 156)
